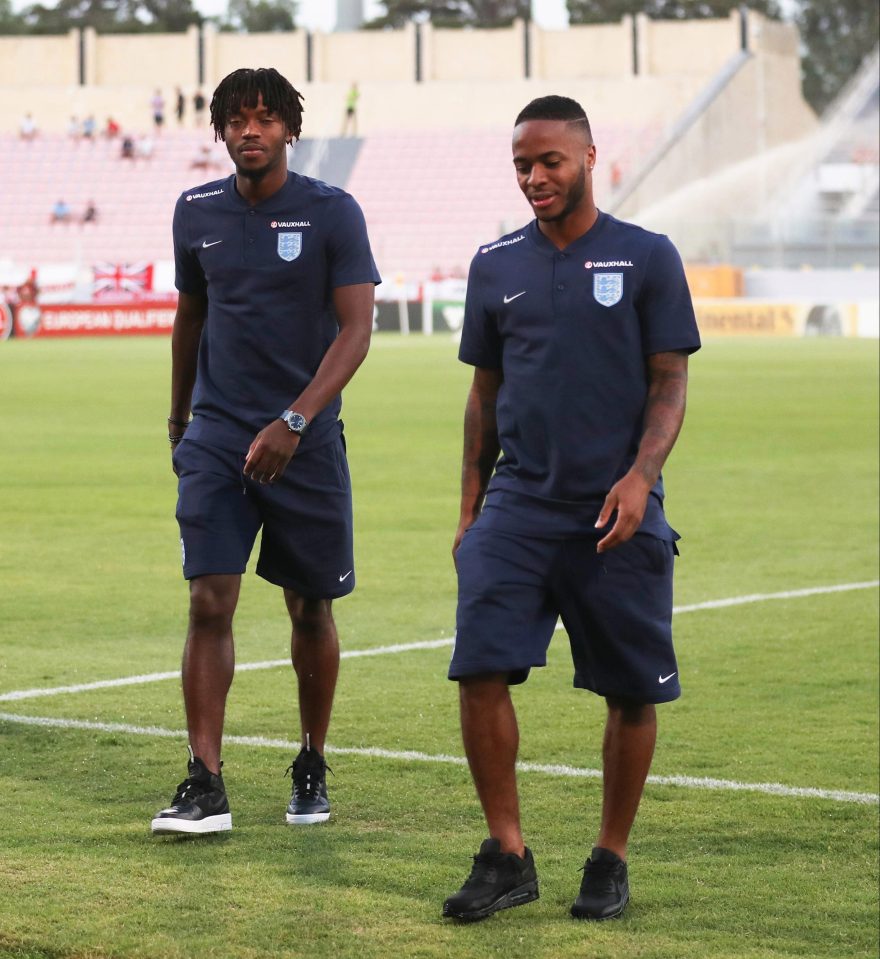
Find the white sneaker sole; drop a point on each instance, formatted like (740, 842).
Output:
(306, 819)
(165, 826)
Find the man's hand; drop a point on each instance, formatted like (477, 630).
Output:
(629, 496)
(270, 452)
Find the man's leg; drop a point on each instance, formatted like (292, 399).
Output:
(627, 751)
(209, 663)
(314, 649)
(630, 733)
(491, 742)
(504, 873)
(200, 805)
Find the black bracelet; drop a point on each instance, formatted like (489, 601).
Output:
(183, 423)
(174, 440)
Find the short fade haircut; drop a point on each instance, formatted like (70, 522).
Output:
(242, 88)
(556, 108)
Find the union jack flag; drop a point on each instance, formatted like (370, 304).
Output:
(122, 280)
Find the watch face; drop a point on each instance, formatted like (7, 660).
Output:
(296, 422)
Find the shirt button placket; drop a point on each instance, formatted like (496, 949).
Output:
(558, 284)
(249, 233)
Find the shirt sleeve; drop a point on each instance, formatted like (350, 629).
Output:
(480, 340)
(188, 274)
(349, 256)
(666, 312)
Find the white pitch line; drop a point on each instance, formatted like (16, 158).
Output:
(17, 695)
(568, 772)
(241, 667)
(787, 594)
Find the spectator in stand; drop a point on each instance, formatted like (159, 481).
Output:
(199, 103)
(145, 146)
(90, 214)
(179, 106)
(74, 130)
(112, 130)
(89, 128)
(203, 160)
(158, 106)
(127, 150)
(27, 127)
(616, 175)
(60, 212)
(351, 101)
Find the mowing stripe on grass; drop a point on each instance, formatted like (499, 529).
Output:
(240, 667)
(20, 694)
(569, 772)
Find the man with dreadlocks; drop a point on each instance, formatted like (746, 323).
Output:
(276, 283)
(579, 327)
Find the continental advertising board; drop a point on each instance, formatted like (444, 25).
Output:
(741, 317)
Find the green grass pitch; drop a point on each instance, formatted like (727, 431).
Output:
(774, 487)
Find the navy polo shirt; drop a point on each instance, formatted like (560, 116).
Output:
(268, 272)
(571, 329)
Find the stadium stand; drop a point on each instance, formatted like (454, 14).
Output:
(429, 198)
(830, 203)
(133, 197)
(434, 185)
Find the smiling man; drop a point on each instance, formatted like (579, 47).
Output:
(276, 283)
(579, 327)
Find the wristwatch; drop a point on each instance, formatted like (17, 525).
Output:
(296, 422)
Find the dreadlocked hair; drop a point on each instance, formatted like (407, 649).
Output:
(242, 88)
(555, 108)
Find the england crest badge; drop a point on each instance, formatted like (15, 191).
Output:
(290, 245)
(607, 288)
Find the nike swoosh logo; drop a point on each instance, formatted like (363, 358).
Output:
(510, 299)
(664, 679)
(206, 244)
(343, 578)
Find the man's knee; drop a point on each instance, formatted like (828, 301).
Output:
(630, 712)
(310, 617)
(485, 688)
(212, 601)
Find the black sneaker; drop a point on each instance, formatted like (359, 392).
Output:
(198, 806)
(498, 880)
(309, 802)
(604, 888)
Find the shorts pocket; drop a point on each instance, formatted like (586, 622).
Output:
(341, 462)
(653, 553)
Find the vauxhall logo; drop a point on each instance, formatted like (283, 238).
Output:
(288, 223)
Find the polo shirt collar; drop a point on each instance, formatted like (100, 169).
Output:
(277, 201)
(545, 247)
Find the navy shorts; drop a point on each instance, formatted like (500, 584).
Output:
(305, 517)
(615, 606)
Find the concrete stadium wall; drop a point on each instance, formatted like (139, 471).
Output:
(603, 50)
(673, 47)
(27, 62)
(225, 52)
(385, 55)
(132, 60)
(383, 107)
(475, 54)
(121, 72)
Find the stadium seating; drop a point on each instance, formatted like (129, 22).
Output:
(430, 198)
(134, 197)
